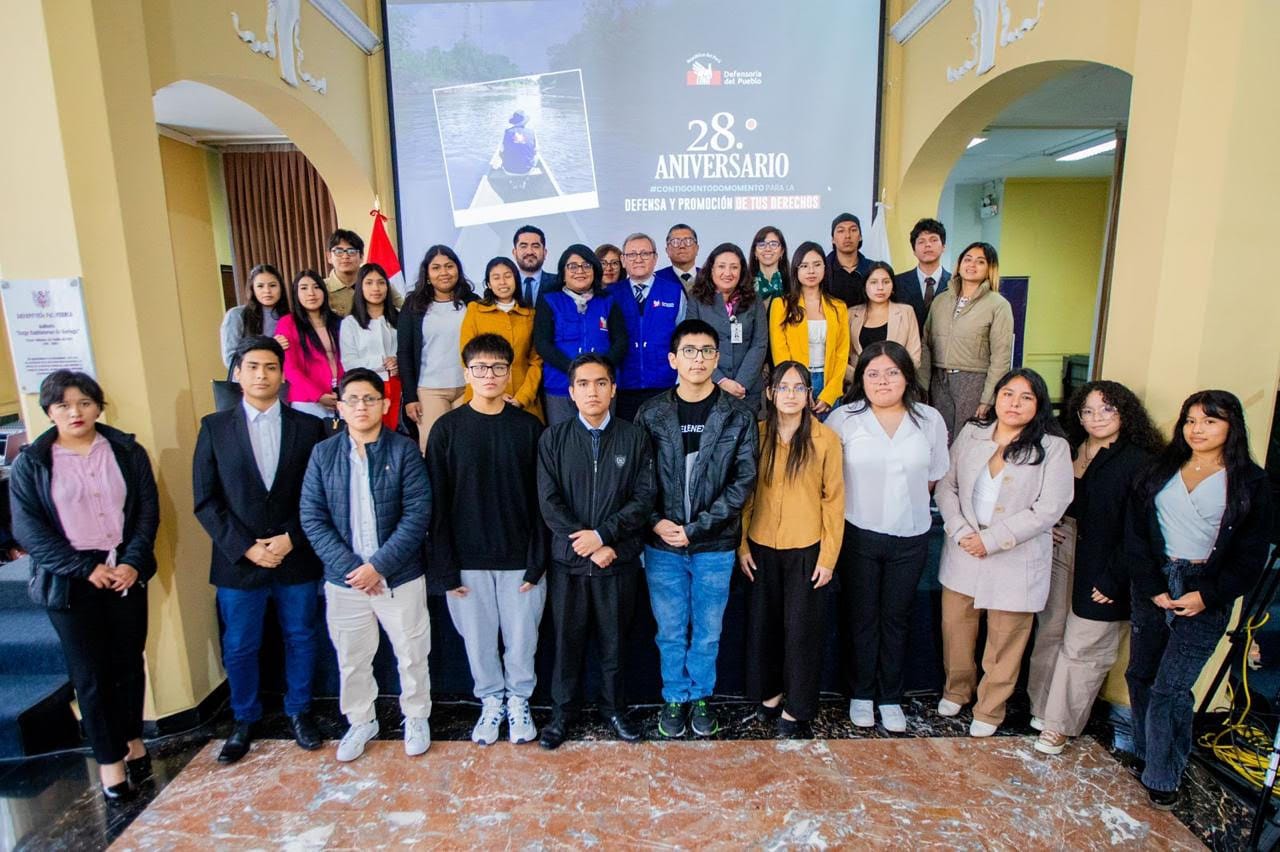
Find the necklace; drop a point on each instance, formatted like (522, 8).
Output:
(1216, 463)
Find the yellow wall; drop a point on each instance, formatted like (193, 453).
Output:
(1053, 232)
(219, 214)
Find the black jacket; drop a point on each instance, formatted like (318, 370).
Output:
(1238, 553)
(612, 495)
(236, 509)
(1101, 503)
(908, 290)
(54, 562)
(722, 478)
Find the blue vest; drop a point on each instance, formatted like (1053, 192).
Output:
(646, 363)
(576, 334)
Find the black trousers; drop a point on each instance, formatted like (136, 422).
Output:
(786, 628)
(878, 578)
(590, 609)
(103, 637)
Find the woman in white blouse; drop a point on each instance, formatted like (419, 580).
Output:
(367, 337)
(895, 450)
(1010, 481)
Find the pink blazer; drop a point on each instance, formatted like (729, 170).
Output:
(308, 376)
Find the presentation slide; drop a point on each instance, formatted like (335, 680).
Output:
(594, 119)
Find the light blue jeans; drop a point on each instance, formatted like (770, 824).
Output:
(688, 593)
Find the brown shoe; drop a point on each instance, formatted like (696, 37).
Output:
(1051, 742)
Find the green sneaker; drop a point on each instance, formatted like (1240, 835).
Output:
(671, 720)
(702, 720)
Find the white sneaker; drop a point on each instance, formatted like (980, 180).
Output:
(520, 727)
(862, 713)
(1037, 724)
(893, 719)
(417, 736)
(978, 728)
(353, 741)
(492, 712)
(948, 708)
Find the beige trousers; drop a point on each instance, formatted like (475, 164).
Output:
(1070, 660)
(1007, 635)
(353, 618)
(436, 403)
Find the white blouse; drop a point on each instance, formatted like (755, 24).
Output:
(1190, 521)
(817, 345)
(986, 493)
(441, 364)
(887, 479)
(366, 347)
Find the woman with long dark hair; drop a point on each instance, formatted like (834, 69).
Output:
(767, 270)
(1010, 481)
(810, 326)
(722, 295)
(968, 339)
(313, 364)
(1078, 632)
(895, 451)
(428, 334)
(879, 315)
(1196, 539)
(791, 531)
(503, 311)
(368, 334)
(264, 305)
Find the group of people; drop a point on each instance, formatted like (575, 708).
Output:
(697, 420)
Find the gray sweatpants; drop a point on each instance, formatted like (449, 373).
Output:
(494, 603)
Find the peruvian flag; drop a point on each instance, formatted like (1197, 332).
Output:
(381, 252)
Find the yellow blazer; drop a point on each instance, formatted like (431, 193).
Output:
(903, 328)
(517, 327)
(791, 343)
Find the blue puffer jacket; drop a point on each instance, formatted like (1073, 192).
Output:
(401, 498)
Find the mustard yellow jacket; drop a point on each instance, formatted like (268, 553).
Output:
(791, 343)
(517, 327)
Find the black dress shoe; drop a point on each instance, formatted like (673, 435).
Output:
(122, 792)
(237, 745)
(766, 714)
(304, 732)
(1162, 800)
(138, 769)
(622, 728)
(786, 729)
(552, 733)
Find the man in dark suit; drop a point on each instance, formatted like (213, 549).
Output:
(682, 251)
(529, 248)
(918, 286)
(247, 478)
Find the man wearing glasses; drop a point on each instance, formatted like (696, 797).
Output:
(488, 542)
(653, 306)
(682, 251)
(366, 507)
(704, 443)
(346, 254)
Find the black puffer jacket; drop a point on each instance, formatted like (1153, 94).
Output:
(54, 562)
(612, 495)
(722, 479)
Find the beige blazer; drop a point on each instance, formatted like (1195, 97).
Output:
(1014, 575)
(903, 328)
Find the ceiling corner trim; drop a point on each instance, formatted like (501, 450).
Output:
(349, 24)
(920, 13)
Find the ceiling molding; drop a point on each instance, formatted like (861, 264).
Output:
(178, 136)
(349, 24)
(920, 13)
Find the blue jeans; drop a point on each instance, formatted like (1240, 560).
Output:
(243, 612)
(688, 589)
(1164, 661)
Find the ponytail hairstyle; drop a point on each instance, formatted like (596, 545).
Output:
(802, 449)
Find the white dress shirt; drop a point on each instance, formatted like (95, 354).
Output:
(364, 517)
(887, 479)
(264, 437)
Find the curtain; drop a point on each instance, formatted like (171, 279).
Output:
(281, 211)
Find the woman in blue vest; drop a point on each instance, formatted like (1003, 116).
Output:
(578, 318)
(653, 306)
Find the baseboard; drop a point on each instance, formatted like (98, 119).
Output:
(202, 713)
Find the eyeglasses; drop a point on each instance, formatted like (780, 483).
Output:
(891, 374)
(611, 264)
(358, 401)
(481, 370)
(346, 252)
(638, 255)
(1106, 412)
(578, 267)
(799, 390)
(692, 352)
(768, 244)
(681, 242)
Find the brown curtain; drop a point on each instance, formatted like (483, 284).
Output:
(281, 211)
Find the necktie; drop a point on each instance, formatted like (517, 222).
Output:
(528, 290)
(639, 291)
(685, 276)
(928, 290)
(595, 444)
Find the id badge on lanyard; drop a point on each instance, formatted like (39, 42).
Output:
(735, 330)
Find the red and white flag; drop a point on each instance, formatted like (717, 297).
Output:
(382, 253)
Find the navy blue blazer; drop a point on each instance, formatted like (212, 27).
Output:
(669, 273)
(906, 286)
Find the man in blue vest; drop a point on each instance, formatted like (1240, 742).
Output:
(653, 306)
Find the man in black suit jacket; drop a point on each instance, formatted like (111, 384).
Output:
(918, 286)
(529, 248)
(247, 478)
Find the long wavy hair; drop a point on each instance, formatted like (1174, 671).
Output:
(424, 293)
(1135, 423)
(360, 308)
(307, 335)
(753, 263)
(993, 264)
(794, 295)
(488, 298)
(1222, 405)
(802, 449)
(252, 314)
(1028, 447)
(704, 290)
(913, 398)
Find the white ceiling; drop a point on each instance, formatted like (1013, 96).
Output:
(1067, 113)
(211, 116)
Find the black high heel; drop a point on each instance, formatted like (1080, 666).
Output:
(138, 769)
(116, 793)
